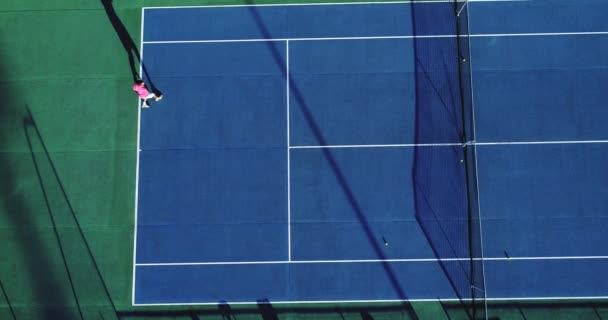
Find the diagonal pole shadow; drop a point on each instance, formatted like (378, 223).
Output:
(133, 53)
(47, 298)
(26, 123)
(29, 124)
(338, 173)
(8, 301)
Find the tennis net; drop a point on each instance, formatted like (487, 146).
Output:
(444, 171)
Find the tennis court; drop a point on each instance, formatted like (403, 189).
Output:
(325, 153)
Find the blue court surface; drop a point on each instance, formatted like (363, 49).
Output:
(285, 161)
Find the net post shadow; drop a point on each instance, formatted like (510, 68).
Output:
(225, 310)
(267, 311)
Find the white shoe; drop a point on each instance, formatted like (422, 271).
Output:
(145, 105)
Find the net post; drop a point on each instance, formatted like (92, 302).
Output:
(477, 276)
(459, 10)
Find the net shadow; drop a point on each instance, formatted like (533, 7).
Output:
(443, 177)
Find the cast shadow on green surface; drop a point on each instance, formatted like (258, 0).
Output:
(449, 311)
(264, 310)
(59, 276)
(91, 295)
(7, 301)
(21, 218)
(536, 310)
(267, 311)
(129, 45)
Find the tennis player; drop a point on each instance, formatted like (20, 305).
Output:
(142, 91)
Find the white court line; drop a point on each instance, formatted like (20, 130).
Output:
(449, 144)
(285, 262)
(160, 264)
(141, 52)
(299, 39)
(583, 33)
(322, 4)
(377, 145)
(379, 301)
(288, 91)
(546, 258)
(481, 35)
(483, 267)
(540, 142)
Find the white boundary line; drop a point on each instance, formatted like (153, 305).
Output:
(141, 52)
(377, 145)
(484, 35)
(449, 144)
(582, 33)
(301, 39)
(288, 91)
(178, 264)
(323, 4)
(540, 142)
(377, 301)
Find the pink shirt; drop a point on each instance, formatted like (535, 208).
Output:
(142, 91)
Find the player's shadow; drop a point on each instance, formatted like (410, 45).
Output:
(133, 53)
(297, 95)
